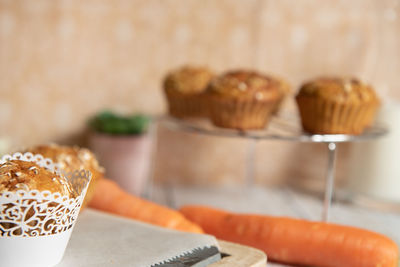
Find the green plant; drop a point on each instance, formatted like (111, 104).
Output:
(111, 123)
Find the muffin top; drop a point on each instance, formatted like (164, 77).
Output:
(188, 80)
(245, 84)
(70, 158)
(339, 89)
(24, 175)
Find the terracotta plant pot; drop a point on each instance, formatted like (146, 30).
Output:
(125, 158)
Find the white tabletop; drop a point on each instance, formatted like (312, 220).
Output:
(281, 202)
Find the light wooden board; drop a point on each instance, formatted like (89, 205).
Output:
(240, 256)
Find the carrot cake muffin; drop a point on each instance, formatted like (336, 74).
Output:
(242, 100)
(183, 88)
(336, 106)
(70, 159)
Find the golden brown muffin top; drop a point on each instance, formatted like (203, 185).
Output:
(247, 84)
(189, 80)
(24, 175)
(339, 89)
(70, 158)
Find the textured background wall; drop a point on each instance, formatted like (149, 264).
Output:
(62, 60)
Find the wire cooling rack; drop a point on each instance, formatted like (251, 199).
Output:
(285, 127)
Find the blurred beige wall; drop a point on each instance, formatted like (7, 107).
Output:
(63, 60)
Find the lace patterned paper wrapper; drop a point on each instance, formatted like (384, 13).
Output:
(35, 226)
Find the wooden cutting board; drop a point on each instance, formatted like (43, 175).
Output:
(240, 256)
(101, 239)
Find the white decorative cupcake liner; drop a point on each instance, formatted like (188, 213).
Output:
(35, 226)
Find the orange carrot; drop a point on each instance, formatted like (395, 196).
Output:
(297, 241)
(109, 197)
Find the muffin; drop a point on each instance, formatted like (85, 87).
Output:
(39, 208)
(242, 100)
(183, 88)
(25, 175)
(285, 90)
(336, 106)
(70, 159)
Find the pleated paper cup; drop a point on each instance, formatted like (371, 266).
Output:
(320, 116)
(182, 105)
(35, 226)
(241, 114)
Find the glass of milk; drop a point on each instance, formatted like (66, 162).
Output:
(374, 166)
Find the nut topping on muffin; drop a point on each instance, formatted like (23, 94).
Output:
(243, 84)
(17, 174)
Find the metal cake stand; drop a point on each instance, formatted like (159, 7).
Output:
(285, 127)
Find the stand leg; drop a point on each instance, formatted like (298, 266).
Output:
(329, 181)
(250, 162)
